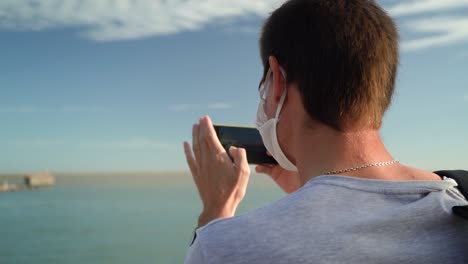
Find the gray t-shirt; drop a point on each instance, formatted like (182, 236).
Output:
(339, 219)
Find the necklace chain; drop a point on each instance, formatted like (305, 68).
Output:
(376, 164)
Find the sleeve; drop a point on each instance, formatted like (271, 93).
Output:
(195, 254)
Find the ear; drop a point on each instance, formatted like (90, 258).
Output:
(278, 79)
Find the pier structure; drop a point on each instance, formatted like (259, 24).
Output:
(30, 181)
(36, 180)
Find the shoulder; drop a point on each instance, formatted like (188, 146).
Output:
(249, 233)
(310, 196)
(252, 235)
(235, 239)
(260, 216)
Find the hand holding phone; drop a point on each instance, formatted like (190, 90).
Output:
(288, 181)
(245, 137)
(221, 179)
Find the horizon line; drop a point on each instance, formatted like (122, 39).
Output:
(97, 173)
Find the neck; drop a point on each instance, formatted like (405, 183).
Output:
(325, 149)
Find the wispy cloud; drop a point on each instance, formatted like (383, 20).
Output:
(413, 7)
(128, 144)
(108, 20)
(18, 109)
(135, 143)
(183, 107)
(36, 142)
(443, 30)
(125, 19)
(82, 109)
(243, 29)
(28, 109)
(191, 107)
(222, 105)
(433, 20)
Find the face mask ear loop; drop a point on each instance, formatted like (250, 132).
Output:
(283, 97)
(280, 106)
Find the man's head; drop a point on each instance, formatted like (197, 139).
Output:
(342, 56)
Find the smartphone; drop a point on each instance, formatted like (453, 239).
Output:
(244, 137)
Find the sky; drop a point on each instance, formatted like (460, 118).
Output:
(116, 85)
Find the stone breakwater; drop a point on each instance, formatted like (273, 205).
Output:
(31, 181)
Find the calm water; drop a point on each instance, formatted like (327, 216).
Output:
(108, 219)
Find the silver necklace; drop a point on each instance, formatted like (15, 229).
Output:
(376, 164)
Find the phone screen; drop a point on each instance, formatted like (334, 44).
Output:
(245, 137)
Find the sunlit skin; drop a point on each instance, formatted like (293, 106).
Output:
(312, 146)
(221, 182)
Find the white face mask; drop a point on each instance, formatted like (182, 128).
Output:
(267, 127)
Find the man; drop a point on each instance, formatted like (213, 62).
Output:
(329, 75)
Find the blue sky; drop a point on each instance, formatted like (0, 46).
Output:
(116, 85)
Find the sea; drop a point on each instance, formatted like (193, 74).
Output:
(114, 219)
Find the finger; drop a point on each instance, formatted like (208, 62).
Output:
(195, 142)
(266, 169)
(239, 156)
(205, 158)
(210, 136)
(190, 159)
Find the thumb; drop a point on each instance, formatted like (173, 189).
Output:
(239, 156)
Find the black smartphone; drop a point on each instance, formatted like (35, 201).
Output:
(244, 137)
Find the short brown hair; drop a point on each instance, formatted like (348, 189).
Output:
(343, 55)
